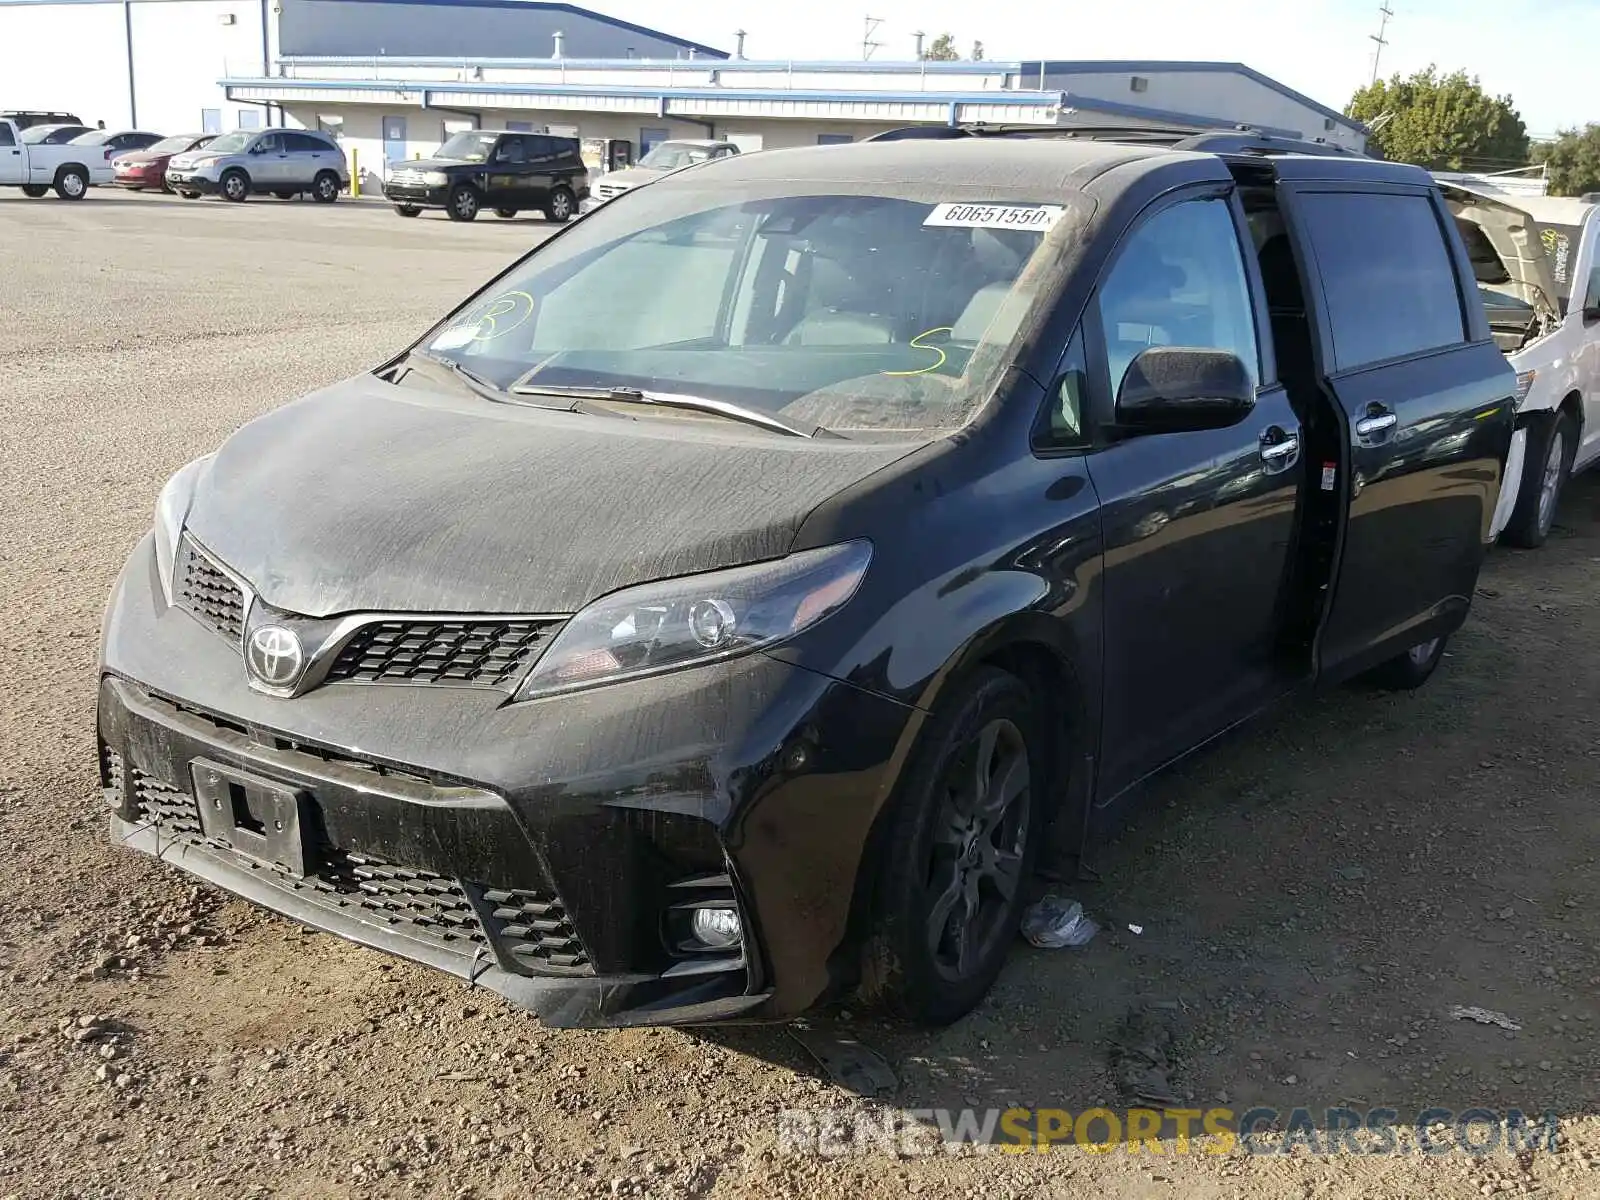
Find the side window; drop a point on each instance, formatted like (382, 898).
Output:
(269, 144)
(7, 138)
(1179, 280)
(305, 144)
(1591, 294)
(1070, 402)
(1387, 275)
(511, 150)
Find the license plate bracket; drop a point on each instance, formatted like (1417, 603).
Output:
(258, 817)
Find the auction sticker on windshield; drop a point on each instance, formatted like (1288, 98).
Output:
(996, 216)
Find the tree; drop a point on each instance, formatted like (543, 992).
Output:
(1572, 161)
(942, 50)
(1442, 122)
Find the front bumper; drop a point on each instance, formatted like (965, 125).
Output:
(418, 195)
(537, 849)
(138, 179)
(187, 181)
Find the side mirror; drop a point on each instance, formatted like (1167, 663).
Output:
(1179, 389)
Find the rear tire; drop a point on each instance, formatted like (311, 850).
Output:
(1409, 671)
(35, 190)
(72, 183)
(561, 206)
(505, 214)
(958, 852)
(1552, 442)
(463, 203)
(407, 210)
(234, 186)
(325, 187)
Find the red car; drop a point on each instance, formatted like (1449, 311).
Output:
(147, 168)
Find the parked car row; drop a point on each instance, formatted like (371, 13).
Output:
(71, 158)
(511, 171)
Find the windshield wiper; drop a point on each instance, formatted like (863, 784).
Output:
(705, 404)
(482, 387)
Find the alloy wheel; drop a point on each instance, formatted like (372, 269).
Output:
(979, 837)
(1550, 483)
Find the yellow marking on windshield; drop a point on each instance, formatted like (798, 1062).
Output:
(916, 344)
(502, 305)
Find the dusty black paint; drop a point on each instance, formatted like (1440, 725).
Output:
(1143, 586)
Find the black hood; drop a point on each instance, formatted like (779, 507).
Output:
(370, 496)
(440, 164)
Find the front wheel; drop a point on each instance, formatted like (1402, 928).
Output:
(1409, 671)
(1552, 442)
(72, 183)
(959, 849)
(35, 189)
(325, 188)
(235, 186)
(463, 205)
(561, 206)
(407, 210)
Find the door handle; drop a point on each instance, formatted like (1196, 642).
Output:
(1378, 420)
(1280, 449)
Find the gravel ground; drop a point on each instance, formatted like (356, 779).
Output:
(1314, 894)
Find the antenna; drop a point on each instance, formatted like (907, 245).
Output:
(1385, 15)
(867, 44)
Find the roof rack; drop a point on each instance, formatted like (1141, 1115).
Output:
(1242, 139)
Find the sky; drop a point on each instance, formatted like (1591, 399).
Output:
(1541, 52)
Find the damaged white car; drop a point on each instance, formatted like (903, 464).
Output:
(1535, 259)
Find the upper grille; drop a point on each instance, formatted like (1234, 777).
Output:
(206, 591)
(484, 653)
(535, 930)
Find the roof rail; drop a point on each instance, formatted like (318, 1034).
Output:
(1242, 139)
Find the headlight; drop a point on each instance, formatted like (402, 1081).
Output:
(697, 619)
(1525, 381)
(172, 507)
(435, 178)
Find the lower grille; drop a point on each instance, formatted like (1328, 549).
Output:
(535, 930)
(532, 930)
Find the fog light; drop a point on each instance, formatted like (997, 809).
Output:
(716, 928)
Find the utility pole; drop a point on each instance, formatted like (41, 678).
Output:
(867, 44)
(1385, 15)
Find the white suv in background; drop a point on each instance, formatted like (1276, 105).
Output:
(279, 162)
(1535, 258)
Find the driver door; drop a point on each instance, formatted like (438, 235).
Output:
(1198, 527)
(13, 162)
(269, 162)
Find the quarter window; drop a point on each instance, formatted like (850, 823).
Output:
(1387, 275)
(1179, 280)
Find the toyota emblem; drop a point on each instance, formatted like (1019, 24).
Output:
(274, 656)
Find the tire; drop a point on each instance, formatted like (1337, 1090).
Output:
(72, 183)
(463, 203)
(35, 190)
(285, 195)
(190, 195)
(561, 206)
(1409, 671)
(505, 214)
(234, 186)
(949, 847)
(407, 210)
(325, 187)
(1552, 442)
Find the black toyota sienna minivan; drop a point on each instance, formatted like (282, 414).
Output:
(719, 611)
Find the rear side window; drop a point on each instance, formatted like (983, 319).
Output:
(305, 142)
(1387, 275)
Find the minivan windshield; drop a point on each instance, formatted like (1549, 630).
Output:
(468, 147)
(855, 307)
(669, 156)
